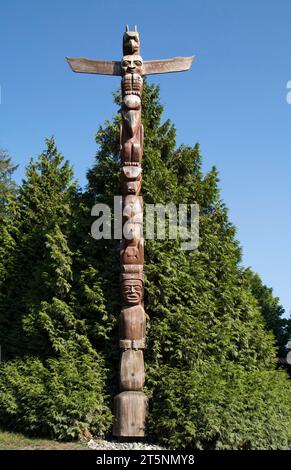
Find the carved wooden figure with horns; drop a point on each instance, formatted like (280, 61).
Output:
(131, 404)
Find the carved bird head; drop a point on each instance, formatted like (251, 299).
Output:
(131, 42)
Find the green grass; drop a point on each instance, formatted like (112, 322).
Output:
(15, 441)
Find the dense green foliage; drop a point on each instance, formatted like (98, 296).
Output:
(7, 185)
(53, 381)
(271, 310)
(211, 357)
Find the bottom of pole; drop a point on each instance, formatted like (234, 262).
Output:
(130, 410)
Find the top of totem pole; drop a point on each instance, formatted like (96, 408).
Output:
(131, 47)
(131, 42)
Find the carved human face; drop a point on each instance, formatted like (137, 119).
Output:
(132, 291)
(132, 64)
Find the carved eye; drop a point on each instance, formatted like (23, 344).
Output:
(125, 63)
(138, 63)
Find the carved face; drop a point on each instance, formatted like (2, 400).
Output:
(132, 291)
(131, 180)
(132, 187)
(132, 64)
(132, 254)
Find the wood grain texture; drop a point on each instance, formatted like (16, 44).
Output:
(132, 344)
(100, 67)
(131, 373)
(130, 411)
(177, 64)
(112, 67)
(132, 323)
(131, 404)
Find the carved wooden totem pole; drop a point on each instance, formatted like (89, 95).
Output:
(131, 403)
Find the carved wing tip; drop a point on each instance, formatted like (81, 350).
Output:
(176, 64)
(70, 62)
(191, 60)
(188, 61)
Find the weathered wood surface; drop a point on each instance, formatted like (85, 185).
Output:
(100, 67)
(132, 254)
(132, 343)
(132, 323)
(113, 67)
(131, 373)
(131, 404)
(130, 411)
(177, 64)
(131, 177)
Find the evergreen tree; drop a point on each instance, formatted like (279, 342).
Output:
(7, 185)
(8, 215)
(52, 380)
(271, 310)
(44, 213)
(210, 361)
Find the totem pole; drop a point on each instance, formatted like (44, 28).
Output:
(131, 403)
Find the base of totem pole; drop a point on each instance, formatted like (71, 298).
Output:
(130, 410)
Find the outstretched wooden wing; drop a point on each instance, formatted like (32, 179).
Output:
(177, 64)
(101, 67)
(107, 67)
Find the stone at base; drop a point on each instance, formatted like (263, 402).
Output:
(130, 410)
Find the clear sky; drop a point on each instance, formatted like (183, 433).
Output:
(233, 101)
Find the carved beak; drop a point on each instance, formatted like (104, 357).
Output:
(132, 45)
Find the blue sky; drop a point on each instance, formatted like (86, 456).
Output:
(233, 101)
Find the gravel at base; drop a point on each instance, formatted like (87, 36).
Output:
(115, 445)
